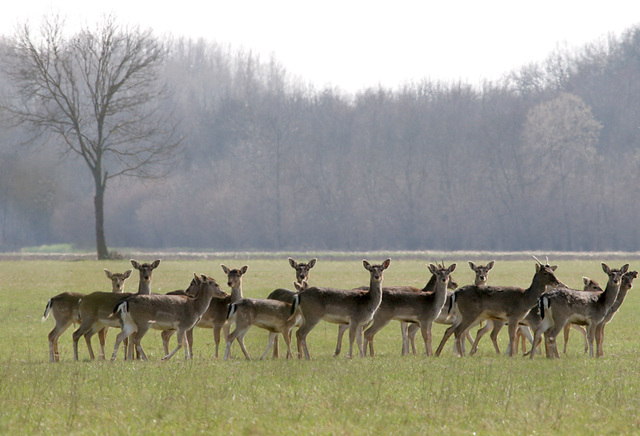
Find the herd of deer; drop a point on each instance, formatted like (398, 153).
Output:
(546, 307)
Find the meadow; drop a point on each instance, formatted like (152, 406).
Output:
(483, 394)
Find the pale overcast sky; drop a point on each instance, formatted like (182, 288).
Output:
(354, 44)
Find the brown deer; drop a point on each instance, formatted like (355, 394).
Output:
(562, 305)
(286, 295)
(446, 318)
(355, 308)
(65, 310)
(533, 320)
(140, 312)
(95, 309)
(275, 316)
(215, 316)
(502, 303)
(407, 329)
(625, 286)
(417, 307)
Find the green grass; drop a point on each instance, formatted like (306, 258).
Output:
(483, 394)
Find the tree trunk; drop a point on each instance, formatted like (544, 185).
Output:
(101, 242)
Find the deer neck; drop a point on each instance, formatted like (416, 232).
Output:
(375, 291)
(537, 288)
(440, 292)
(144, 287)
(610, 294)
(202, 300)
(622, 293)
(236, 293)
(431, 284)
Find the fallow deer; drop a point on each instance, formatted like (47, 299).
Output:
(625, 286)
(416, 307)
(355, 308)
(503, 303)
(286, 295)
(275, 316)
(95, 309)
(65, 310)
(140, 312)
(562, 305)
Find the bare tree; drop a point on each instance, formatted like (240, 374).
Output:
(100, 93)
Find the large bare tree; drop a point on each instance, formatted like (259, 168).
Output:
(100, 94)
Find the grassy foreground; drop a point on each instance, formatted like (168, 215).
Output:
(484, 394)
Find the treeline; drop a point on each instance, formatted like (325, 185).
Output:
(544, 159)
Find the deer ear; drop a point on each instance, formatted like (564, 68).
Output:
(472, 265)
(586, 280)
(155, 263)
(107, 273)
(386, 263)
(452, 267)
(244, 269)
(490, 264)
(366, 264)
(625, 268)
(606, 268)
(293, 263)
(127, 274)
(312, 263)
(135, 264)
(225, 269)
(432, 268)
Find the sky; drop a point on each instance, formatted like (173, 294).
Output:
(356, 44)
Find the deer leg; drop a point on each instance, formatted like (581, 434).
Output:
(275, 348)
(181, 339)
(272, 337)
(342, 328)
(497, 326)
(447, 334)
(565, 331)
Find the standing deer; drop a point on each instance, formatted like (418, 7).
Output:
(533, 320)
(407, 329)
(275, 316)
(625, 285)
(447, 318)
(418, 307)
(215, 316)
(65, 309)
(477, 303)
(355, 308)
(285, 295)
(95, 309)
(140, 312)
(562, 305)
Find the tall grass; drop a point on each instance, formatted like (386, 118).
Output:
(483, 394)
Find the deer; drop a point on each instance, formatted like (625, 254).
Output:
(95, 309)
(446, 318)
(568, 326)
(417, 307)
(405, 327)
(65, 310)
(625, 286)
(285, 295)
(533, 319)
(562, 305)
(355, 308)
(275, 316)
(215, 316)
(503, 303)
(140, 312)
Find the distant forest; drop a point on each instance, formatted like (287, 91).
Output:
(547, 158)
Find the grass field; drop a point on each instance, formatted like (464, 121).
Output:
(483, 394)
